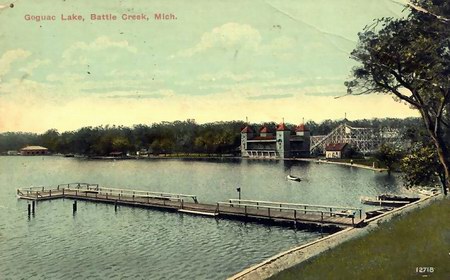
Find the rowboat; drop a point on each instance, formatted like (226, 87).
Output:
(382, 202)
(377, 212)
(293, 178)
(394, 197)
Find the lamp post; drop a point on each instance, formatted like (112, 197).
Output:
(239, 193)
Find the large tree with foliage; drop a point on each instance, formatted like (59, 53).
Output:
(410, 58)
(388, 155)
(421, 167)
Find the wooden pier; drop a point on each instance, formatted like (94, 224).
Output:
(316, 216)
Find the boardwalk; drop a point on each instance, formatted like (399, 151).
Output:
(263, 211)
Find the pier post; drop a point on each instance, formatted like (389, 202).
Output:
(33, 206)
(29, 209)
(245, 209)
(74, 207)
(106, 195)
(295, 215)
(268, 211)
(63, 191)
(331, 211)
(115, 205)
(50, 193)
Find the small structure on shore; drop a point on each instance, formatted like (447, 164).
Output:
(338, 150)
(116, 154)
(33, 151)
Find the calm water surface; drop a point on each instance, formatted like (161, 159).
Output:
(99, 243)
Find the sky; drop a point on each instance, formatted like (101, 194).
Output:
(209, 61)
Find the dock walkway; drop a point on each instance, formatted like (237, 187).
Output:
(263, 211)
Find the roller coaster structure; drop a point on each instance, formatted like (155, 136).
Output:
(363, 140)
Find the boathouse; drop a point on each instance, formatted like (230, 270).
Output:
(281, 143)
(337, 150)
(33, 151)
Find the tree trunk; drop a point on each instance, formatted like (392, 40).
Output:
(440, 146)
(443, 158)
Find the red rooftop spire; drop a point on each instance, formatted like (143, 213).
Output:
(282, 127)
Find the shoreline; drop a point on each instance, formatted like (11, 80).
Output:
(352, 165)
(314, 160)
(303, 253)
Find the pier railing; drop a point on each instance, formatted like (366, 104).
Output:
(327, 209)
(86, 188)
(294, 213)
(233, 208)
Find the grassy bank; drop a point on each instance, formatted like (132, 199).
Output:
(393, 251)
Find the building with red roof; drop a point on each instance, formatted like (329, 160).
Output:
(281, 143)
(336, 150)
(33, 151)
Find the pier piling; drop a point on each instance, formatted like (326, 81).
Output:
(29, 209)
(33, 206)
(74, 207)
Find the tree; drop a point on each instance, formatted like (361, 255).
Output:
(422, 167)
(50, 139)
(410, 58)
(120, 144)
(388, 155)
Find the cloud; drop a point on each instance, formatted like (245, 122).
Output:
(9, 57)
(65, 77)
(37, 114)
(77, 53)
(282, 47)
(235, 77)
(230, 36)
(144, 95)
(30, 67)
(270, 96)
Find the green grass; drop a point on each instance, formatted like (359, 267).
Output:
(392, 251)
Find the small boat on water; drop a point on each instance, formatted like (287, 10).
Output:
(383, 202)
(377, 212)
(395, 197)
(293, 178)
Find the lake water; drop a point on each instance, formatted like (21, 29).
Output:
(135, 243)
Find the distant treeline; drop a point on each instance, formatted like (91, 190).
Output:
(168, 137)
